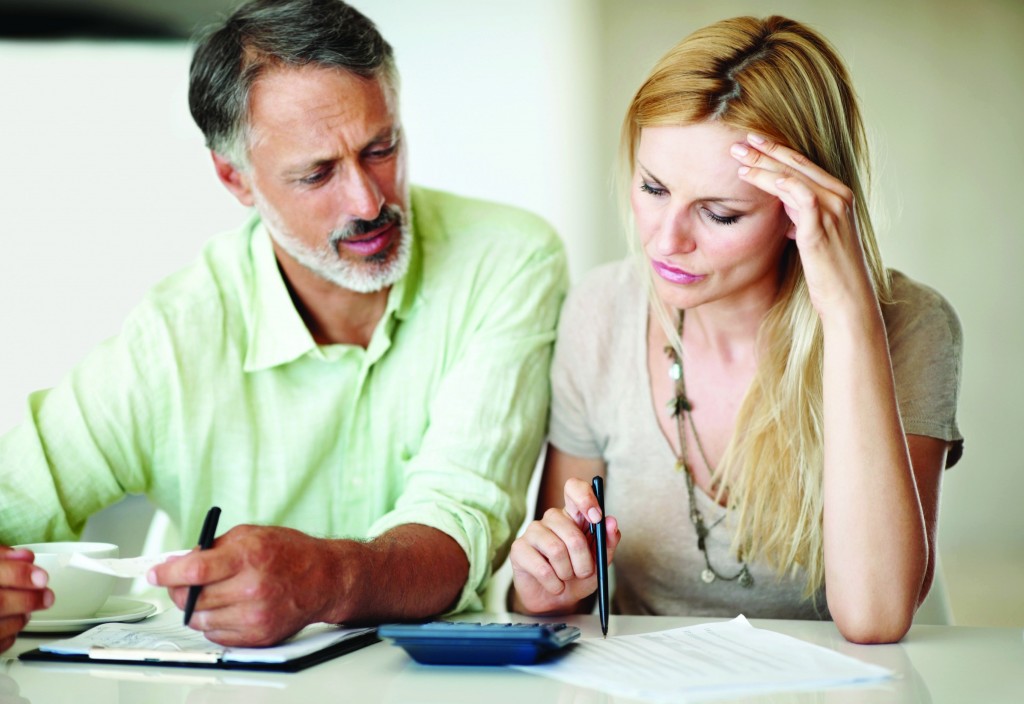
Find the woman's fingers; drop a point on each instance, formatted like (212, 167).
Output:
(563, 544)
(817, 204)
(611, 526)
(532, 572)
(580, 503)
(553, 562)
(769, 155)
(770, 165)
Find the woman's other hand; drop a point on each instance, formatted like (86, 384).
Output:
(822, 211)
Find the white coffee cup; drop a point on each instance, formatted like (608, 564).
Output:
(77, 593)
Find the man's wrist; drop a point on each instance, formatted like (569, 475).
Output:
(389, 578)
(342, 585)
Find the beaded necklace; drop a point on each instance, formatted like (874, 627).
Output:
(682, 410)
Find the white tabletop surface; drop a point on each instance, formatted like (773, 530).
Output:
(936, 664)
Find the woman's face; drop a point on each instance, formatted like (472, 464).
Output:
(709, 237)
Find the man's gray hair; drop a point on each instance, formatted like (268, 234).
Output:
(262, 34)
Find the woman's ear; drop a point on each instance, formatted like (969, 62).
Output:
(789, 218)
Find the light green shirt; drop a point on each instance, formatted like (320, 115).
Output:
(215, 393)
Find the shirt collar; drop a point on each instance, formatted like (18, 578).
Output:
(278, 335)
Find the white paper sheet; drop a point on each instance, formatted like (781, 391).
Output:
(129, 567)
(705, 662)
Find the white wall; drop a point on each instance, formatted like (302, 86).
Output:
(105, 186)
(104, 189)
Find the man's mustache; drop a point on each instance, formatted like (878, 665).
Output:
(389, 215)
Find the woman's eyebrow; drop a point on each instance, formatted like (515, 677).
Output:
(646, 173)
(722, 199)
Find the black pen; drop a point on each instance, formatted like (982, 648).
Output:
(206, 537)
(602, 557)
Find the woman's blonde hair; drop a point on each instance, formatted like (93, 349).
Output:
(781, 79)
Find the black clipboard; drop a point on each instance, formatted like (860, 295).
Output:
(167, 659)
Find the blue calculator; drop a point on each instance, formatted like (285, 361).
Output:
(464, 643)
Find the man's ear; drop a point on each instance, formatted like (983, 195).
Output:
(233, 178)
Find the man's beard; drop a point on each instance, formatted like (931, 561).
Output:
(371, 273)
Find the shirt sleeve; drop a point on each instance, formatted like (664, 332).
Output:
(82, 446)
(926, 346)
(488, 418)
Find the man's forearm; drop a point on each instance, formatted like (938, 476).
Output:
(412, 571)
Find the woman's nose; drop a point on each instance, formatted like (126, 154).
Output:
(675, 235)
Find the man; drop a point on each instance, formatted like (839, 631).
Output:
(357, 377)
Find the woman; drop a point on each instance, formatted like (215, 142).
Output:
(772, 409)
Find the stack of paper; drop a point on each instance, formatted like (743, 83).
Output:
(729, 659)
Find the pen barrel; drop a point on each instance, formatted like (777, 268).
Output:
(602, 576)
(206, 537)
(600, 541)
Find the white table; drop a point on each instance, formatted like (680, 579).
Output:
(937, 664)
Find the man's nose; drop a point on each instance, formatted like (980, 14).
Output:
(363, 196)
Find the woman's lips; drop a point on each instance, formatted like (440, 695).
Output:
(674, 275)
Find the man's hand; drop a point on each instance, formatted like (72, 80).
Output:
(22, 591)
(260, 584)
(263, 584)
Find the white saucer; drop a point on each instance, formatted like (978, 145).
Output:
(117, 609)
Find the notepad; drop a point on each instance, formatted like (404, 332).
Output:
(163, 640)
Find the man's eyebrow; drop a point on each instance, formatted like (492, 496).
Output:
(307, 166)
(645, 172)
(391, 133)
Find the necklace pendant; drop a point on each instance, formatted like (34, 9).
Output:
(675, 371)
(707, 576)
(746, 580)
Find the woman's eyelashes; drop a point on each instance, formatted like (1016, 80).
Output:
(653, 189)
(657, 190)
(720, 219)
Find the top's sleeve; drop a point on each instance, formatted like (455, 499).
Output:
(573, 373)
(926, 346)
(488, 419)
(83, 445)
